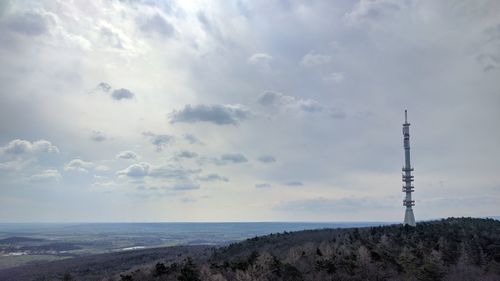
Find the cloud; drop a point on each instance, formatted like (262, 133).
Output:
(489, 53)
(369, 11)
(157, 24)
(139, 170)
(127, 154)
(310, 105)
(224, 159)
(186, 154)
(104, 87)
(117, 94)
(233, 158)
(144, 169)
(262, 185)
(266, 159)
(313, 59)
(79, 165)
(159, 140)
(192, 139)
(172, 172)
(294, 183)
(275, 99)
(336, 77)
(46, 176)
(185, 186)
(270, 98)
(212, 178)
(18, 147)
(218, 114)
(29, 24)
(121, 94)
(261, 60)
(97, 136)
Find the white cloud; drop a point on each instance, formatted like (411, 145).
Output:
(127, 154)
(80, 166)
(139, 170)
(260, 58)
(336, 77)
(19, 147)
(312, 59)
(46, 176)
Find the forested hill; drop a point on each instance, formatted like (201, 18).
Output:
(449, 249)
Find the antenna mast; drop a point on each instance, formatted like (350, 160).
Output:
(408, 188)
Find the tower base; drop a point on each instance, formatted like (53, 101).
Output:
(409, 217)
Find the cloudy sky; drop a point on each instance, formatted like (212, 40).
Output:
(247, 110)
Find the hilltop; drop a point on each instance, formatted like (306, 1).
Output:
(448, 249)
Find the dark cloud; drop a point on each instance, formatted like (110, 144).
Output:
(187, 154)
(103, 86)
(30, 24)
(212, 177)
(157, 24)
(275, 99)
(262, 185)
(270, 98)
(97, 136)
(127, 155)
(294, 183)
(489, 53)
(234, 158)
(266, 159)
(185, 186)
(160, 141)
(192, 139)
(217, 114)
(121, 94)
(174, 173)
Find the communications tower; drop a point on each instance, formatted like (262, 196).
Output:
(408, 188)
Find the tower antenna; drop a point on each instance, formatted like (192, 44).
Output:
(408, 188)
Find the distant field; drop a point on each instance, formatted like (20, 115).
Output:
(59, 241)
(12, 261)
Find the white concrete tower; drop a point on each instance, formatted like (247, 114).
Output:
(408, 188)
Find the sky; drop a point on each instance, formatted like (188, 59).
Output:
(133, 111)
